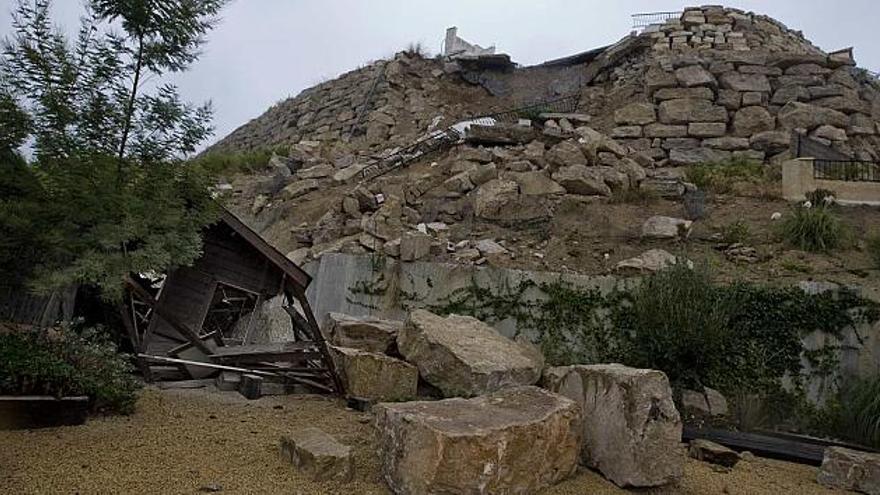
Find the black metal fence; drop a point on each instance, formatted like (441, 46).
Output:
(846, 170)
(646, 19)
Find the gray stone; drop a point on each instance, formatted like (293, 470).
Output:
(829, 132)
(318, 455)
(688, 110)
(786, 94)
(414, 246)
(316, 172)
(709, 402)
(729, 99)
(745, 82)
(251, 386)
(637, 113)
(695, 156)
(771, 142)
(515, 441)
(228, 381)
(660, 227)
(665, 130)
(678, 93)
(707, 129)
(680, 143)
(711, 452)
(632, 430)
(488, 247)
(500, 200)
(695, 75)
(299, 188)
(565, 154)
(795, 115)
(536, 183)
(361, 332)
(752, 120)
(727, 143)
(629, 131)
(479, 155)
(845, 104)
(650, 261)
(849, 469)
(750, 99)
(482, 174)
(806, 70)
(374, 376)
(578, 179)
(463, 356)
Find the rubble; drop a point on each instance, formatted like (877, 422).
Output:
(631, 427)
(463, 356)
(518, 440)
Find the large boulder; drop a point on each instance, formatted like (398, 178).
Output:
(849, 469)
(797, 115)
(364, 333)
(501, 200)
(752, 120)
(515, 441)
(637, 113)
(578, 179)
(463, 356)
(374, 376)
(686, 110)
(632, 430)
(318, 455)
(713, 453)
(565, 154)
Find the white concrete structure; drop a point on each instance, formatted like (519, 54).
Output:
(457, 47)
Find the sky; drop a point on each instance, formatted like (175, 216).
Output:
(263, 51)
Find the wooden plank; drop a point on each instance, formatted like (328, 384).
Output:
(128, 323)
(279, 351)
(760, 444)
(184, 330)
(300, 294)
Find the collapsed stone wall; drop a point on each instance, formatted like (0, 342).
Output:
(721, 83)
(389, 102)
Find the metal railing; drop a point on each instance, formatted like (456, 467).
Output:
(644, 20)
(846, 170)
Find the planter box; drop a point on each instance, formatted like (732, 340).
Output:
(41, 411)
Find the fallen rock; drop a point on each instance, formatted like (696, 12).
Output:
(463, 356)
(578, 179)
(299, 188)
(515, 441)
(649, 261)
(318, 455)
(536, 183)
(374, 376)
(632, 430)
(660, 227)
(489, 247)
(565, 154)
(710, 402)
(500, 200)
(713, 453)
(365, 333)
(849, 469)
(414, 246)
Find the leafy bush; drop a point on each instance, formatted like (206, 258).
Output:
(854, 415)
(218, 163)
(735, 232)
(67, 362)
(719, 177)
(814, 229)
(675, 321)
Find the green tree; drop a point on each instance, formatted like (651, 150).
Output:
(109, 138)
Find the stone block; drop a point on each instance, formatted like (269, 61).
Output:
(687, 110)
(848, 469)
(752, 120)
(745, 82)
(679, 93)
(637, 113)
(707, 129)
(711, 452)
(696, 156)
(695, 76)
(228, 381)
(665, 131)
(661, 227)
(463, 356)
(318, 455)
(414, 246)
(516, 441)
(632, 430)
(361, 332)
(251, 386)
(374, 376)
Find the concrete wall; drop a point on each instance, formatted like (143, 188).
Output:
(455, 46)
(797, 181)
(363, 285)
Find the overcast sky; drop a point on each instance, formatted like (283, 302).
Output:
(266, 50)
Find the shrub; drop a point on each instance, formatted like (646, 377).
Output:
(719, 177)
(855, 414)
(218, 163)
(67, 362)
(735, 232)
(814, 229)
(416, 49)
(675, 321)
(820, 198)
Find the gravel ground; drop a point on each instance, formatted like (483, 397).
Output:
(180, 441)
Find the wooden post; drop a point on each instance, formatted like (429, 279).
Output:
(133, 336)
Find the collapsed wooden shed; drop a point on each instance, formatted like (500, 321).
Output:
(192, 319)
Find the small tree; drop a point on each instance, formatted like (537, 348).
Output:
(108, 139)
